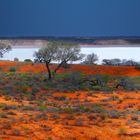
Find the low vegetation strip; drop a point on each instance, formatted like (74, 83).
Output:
(25, 67)
(32, 83)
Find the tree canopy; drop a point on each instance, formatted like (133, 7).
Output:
(60, 52)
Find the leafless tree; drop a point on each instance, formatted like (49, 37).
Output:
(90, 59)
(4, 48)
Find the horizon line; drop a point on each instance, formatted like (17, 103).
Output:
(69, 37)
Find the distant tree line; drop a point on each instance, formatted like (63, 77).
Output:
(119, 62)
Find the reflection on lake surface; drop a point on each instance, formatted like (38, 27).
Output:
(102, 52)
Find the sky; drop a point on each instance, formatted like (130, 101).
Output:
(69, 18)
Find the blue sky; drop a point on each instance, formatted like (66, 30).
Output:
(69, 18)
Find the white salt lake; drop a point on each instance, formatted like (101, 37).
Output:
(124, 52)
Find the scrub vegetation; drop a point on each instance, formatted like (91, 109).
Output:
(42, 100)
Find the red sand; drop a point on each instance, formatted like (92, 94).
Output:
(90, 69)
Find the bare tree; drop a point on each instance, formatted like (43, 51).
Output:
(62, 52)
(4, 48)
(90, 59)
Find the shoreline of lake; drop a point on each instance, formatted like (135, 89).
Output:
(82, 46)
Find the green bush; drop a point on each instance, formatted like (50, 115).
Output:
(12, 69)
(27, 60)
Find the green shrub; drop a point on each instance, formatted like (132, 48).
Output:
(122, 131)
(42, 108)
(97, 108)
(27, 60)
(12, 69)
(115, 114)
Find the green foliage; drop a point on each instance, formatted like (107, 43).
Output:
(97, 108)
(42, 108)
(122, 131)
(27, 60)
(31, 84)
(12, 69)
(67, 110)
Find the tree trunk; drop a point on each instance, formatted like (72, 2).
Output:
(58, 67)
(49, 71)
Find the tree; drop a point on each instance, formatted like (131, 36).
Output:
(4, 48)
(46, 55)
(16, 59)
(62, 52)
(126, 62)
(27, 60)
(67, 52)
(106, 62)
(90, 59)
(112, 62)
(116, 61)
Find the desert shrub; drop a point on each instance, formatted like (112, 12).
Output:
(126, 83)
(96, 88)
(69, 117)
(9, 107)
(3, 115)
(27, 60)
(35, 90)
(16, 132)
(79, 122)
(46, 128)
(99, 80)
(74, 78)
(67, 110)
(114, 98)
(16, 59)
(83, 108)
(41, 116)
(107, 89)
(69, 82)
(11, 113)
(9, 90)
(60, 98)
(134, 117)
(31, 97)
(7, 98)
(42, 108)
(97, 108)
(114, 114)
(103, 116)
(92, 117)
(7, 125)
(55, 116)
(12, 69)
(28, 108)
(122, 131)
